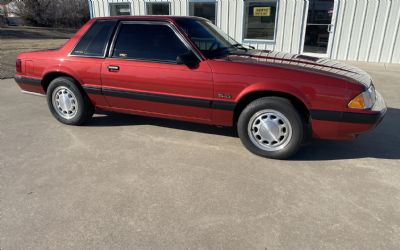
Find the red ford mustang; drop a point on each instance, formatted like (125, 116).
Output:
(186, 68)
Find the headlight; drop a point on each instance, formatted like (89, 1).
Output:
(365, 100)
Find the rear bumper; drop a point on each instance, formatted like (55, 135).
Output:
(29, 84)
(347, 125)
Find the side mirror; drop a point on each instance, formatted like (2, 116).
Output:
(189, 59)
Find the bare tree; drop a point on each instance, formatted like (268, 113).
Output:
(5, 1)
(3, 11)
(53, 13)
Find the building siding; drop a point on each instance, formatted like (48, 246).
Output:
(364, 30)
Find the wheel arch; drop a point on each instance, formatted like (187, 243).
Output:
(247, 98)
(50, 76)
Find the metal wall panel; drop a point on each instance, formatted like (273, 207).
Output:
(391, 30)
(365, 30)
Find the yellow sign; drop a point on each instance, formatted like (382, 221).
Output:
(261, 11)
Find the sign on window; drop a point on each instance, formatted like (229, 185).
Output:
(262, 11)
(125, 10)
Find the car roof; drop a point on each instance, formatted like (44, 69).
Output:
(150, 17)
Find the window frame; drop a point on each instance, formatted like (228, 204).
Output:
(118, 3)
(174, 29)
(249, 40)
(155, 2)
(205, 1)
(108, 44)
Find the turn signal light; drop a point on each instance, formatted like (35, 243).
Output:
(357, 102)
(365, 100)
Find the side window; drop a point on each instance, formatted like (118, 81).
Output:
(94, 42)
(152, 42)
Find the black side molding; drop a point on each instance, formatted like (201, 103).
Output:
(92, 90)
(223, 105)
(351, 117)
(178, 100)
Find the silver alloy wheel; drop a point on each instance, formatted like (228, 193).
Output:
(65, 102)
(269, 130)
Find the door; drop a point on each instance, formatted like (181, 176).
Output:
(319, 29)
(142, 75)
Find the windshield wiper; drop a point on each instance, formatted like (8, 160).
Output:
(242, 47)
(239, 46)
(223, 51)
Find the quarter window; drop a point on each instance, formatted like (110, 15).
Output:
(120, 9)
(94, 42)
(158, 8)
(206, 9)
(149, 42)
(260, 19)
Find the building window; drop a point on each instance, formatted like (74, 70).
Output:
(120, 9)
(206, 9)
(148, 42)
(158, 8)
(260, 19)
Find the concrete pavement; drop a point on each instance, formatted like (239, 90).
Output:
(128, 182)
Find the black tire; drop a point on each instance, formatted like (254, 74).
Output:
(84, 108)
(292, 116)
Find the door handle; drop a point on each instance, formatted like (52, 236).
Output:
(113, 68)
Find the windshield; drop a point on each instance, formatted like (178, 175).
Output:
(209, 39)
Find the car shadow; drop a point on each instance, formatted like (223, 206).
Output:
(106, 119)
(382, 143)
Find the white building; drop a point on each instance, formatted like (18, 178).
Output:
(358, 30)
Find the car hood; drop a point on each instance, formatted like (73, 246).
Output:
(303, 63)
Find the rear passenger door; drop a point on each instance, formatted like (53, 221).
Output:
(141, 73)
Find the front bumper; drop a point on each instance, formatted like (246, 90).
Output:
(347, 125)
(373, 116)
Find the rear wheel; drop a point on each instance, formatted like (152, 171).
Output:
(67, 102)
(271, 127)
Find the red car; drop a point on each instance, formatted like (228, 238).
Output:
(186, 68)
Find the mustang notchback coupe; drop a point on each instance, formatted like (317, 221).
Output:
(186, 68)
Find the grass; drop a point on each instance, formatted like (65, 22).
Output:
(14, 40)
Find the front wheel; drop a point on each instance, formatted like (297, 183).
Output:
(67, 102)
(271, 127)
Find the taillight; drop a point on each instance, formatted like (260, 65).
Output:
(18, 65)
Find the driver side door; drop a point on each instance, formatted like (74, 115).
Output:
(142, 75)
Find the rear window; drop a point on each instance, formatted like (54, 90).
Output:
(94, 42)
